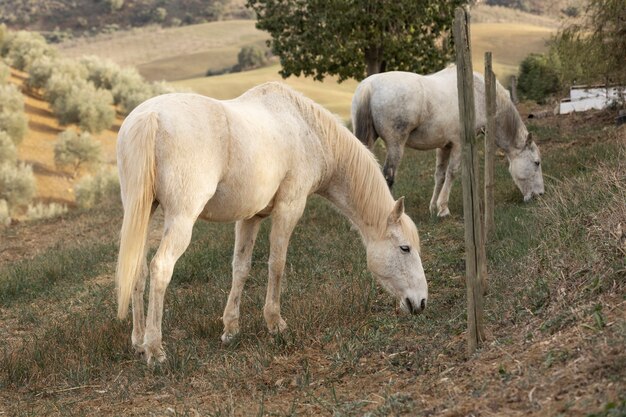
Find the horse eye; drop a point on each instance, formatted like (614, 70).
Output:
(405, 249)
(537, 163)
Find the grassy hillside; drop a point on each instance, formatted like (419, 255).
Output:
(332, 95)
(554, 314)
(76, 17)
(173, 53)
(37, 148)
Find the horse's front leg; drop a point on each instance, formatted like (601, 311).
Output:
(285, 216)
(443, 157)
(245, 236)
(176, 238)
(451, 172)
(395, 150)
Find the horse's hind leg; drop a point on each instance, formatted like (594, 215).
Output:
(443, 156)
(285, 216)
(139, 317)
(245, 236)
(176, 238)
(451, 172)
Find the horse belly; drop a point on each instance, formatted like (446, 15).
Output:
(237, 200)
(424, 139)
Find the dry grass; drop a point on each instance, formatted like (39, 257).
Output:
(555, 315)
(172, 53)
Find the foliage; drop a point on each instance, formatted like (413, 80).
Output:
(8, 152)
(99, 189)
(353, 39)
(22, 48)
(17, 184)
(129, 89)
(5, 72)
(74, 100)
(5, 215)
(101, 72)
(45, 66)
(593, 50)
(76, 150)
(538, 78)
(45, 211)
(13, 120)
(250, 57)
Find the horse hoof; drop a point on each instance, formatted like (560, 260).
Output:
(228, 337)
(443, 213)
(280, 327)
(154, 355)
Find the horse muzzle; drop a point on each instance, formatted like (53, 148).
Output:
(412, 306)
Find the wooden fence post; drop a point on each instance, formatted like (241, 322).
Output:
(471, 199)
(490, 145)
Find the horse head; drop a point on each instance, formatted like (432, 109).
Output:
(395, 261)
(525, 168)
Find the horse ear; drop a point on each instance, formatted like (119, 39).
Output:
(397, 211)
(529, 138)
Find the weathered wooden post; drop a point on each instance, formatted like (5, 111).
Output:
(471, 199)
(490, 145)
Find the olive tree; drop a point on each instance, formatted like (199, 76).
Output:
(75, 151)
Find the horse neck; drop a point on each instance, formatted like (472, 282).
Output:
(509, 123)
(355, 185)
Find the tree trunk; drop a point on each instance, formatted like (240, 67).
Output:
(374, 59)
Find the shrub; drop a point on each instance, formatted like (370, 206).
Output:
(76, 150)
(5, 216)
(100, 72)
(74, 100)
(17, 184)
(250, 57)
(538, 78)
(45, 211)
(13, 120)
(42, 69)
(22, 48)
(8, 153)
(5, 72)
(100, 189)
(129, 90)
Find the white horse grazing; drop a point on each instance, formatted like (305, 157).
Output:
(422, 112)
(242, 160)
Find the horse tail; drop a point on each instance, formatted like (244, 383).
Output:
(136, 156)
(364, 128)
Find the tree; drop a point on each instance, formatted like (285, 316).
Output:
(17, 184)
(538, 78)
(593, 50)
(356, 38)
(13, 120)
(76, 150)
(250, 57)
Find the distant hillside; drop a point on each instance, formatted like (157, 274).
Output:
(553, 8)
(61, 19)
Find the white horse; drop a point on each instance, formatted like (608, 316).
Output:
(242, 160)
(406, 109)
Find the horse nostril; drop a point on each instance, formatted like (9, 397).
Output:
(409, 304)
(423, 304)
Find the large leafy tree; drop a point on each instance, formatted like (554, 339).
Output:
(357, 38)
(594, 48)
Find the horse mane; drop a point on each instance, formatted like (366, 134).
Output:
(367, 190)
(509, 121)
